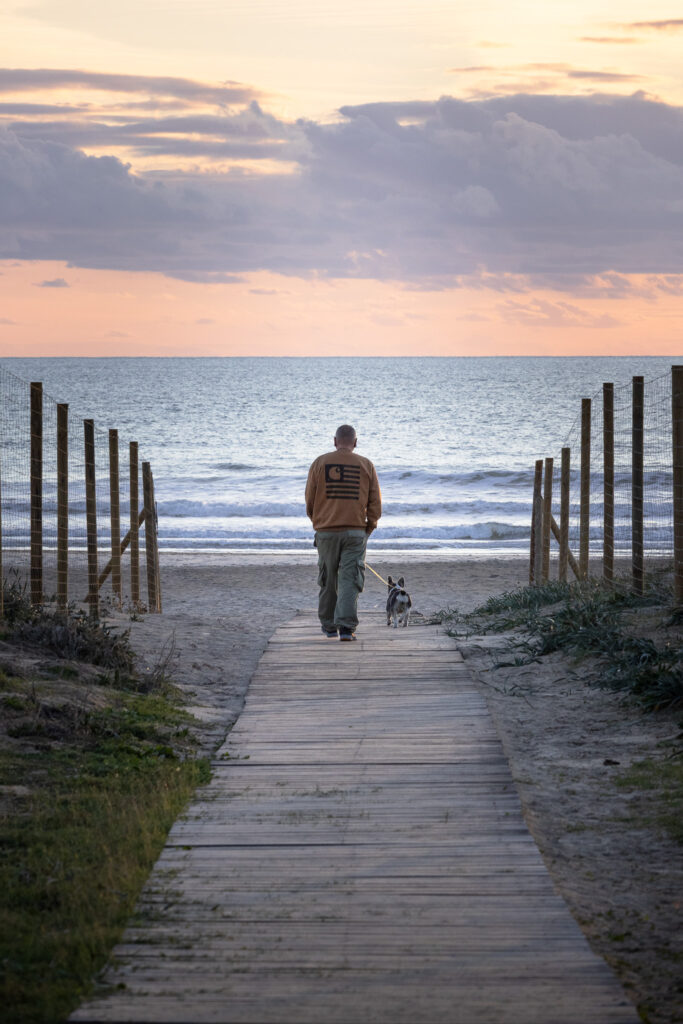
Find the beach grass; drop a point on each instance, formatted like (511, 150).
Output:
(635, 640)
(95, 766)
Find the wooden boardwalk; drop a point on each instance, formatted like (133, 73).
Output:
(359, 856)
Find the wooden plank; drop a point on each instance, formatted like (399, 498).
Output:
(360, 854)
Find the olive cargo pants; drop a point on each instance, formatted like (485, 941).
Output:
(341, 576)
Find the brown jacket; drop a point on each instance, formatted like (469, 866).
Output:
(342, 493)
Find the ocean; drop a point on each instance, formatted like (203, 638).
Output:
(230, 439)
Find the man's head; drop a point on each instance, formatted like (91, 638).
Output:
(345, 438)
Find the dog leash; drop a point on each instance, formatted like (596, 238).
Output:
(376, 574)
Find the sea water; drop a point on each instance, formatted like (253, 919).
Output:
(230, 440)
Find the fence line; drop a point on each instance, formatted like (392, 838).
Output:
(63, 495)
(625, 498)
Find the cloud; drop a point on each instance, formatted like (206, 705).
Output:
(609, 40)
(56, 282)
(543, 313)
(666, 25)
(204, 321)
(30, 79)
(6, 322)
(117, 334)
(425, 193)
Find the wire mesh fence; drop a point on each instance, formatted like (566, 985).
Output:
(65, 501)
(618, 505)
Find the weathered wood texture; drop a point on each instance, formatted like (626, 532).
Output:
(360, 855)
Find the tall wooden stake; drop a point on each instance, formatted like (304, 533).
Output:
(91, 516)
(637, 457)
(608, 482)
(134, 525)
(585, 498)
(36, 493)
(62, 505)
(537, 524)
(677, 442)
(150, 538)
(115, 515)
(547, 516)
(564, 514)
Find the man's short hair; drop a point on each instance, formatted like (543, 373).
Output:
(346, 433)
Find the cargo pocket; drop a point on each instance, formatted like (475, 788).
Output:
(360, 578)
(322, 575)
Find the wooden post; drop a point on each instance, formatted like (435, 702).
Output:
(115, 515)
(156, 544)
(573, 564)
(2, 579)
(150, 538)
(564, 515)
(585, 498)
(36, 493)
(91, 516)
(134, 526)
(637, 457)
(62, 505)
(547, 516)
(537, 558)
(677, 442)
(608, 482)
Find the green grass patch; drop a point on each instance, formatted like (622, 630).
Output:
(74, 854)
(96, 763)
(661, 784)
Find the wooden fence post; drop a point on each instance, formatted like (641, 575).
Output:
(115, 515)
(677, 443)
(36, 493)
(153, 597)
(91, 516)
(585, 499)
(2, 578)
(62, 505)
(547, 516)
(564, 515)
(637, 458)
(134, 525)
(608, 482)
(537, 525)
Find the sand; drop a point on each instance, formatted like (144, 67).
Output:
(622, 881)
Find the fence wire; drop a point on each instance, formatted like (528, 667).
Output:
(15, 504)
(657, 486)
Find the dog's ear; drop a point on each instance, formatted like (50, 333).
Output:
(390, 582)
(401, 582)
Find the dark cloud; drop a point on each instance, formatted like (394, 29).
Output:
(428, 193)
(55, 282)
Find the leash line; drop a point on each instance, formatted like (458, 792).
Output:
(376, 574)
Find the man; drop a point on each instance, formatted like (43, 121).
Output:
(344, 502)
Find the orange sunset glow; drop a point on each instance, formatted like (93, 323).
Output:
(312, 179)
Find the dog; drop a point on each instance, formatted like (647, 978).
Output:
(398, 603)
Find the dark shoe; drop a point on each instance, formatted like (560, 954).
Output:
(346, 634)
(331, 633)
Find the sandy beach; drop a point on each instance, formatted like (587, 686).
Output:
(566, 741)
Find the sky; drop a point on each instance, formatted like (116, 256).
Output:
(318, 177)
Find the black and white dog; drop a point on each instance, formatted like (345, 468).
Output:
(398, 603)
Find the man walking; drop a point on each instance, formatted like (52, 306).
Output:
(344, 502)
